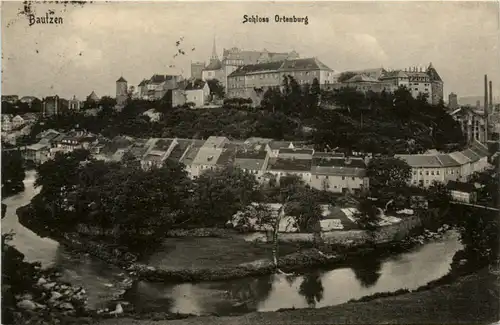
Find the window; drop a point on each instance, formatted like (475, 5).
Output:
(326, 176)
(414, 172)
(353, 178)
(432, 172)
(343, 177)
(437, 172)
(427, 181)
(420, 173)
(317, 177)
(427, 172)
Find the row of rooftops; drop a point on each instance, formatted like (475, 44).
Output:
(255, 153)
(381, 74)
(454, 159)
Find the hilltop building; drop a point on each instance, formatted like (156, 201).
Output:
(233, 58)
(251, 81)
(53, 105)
(157, 86)
(415, 79)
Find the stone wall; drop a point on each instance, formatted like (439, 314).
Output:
(349, 238)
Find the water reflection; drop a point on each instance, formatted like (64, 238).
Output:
(367, 270)
(315, 289)
(312, 288)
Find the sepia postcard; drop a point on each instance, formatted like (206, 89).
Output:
(237, 162)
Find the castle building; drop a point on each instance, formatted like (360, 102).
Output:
(415, 79)
(234, 58)
(251, 81)
(121, 92)
(157, 86)
(197, 70)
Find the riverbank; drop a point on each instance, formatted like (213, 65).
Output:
(472, 299)
(222, 254)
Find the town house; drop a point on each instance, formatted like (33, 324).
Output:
(338, 174)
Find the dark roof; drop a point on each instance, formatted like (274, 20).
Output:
(279, 144)
(303, 165)
(179, 149)
(143, 82)
(328, 155)
(159, 78)
(298, 151)
(339, 162)
(214, 65)
(251, 154)
(461, 187)
(195, 85)
(225, 157)
(268, 66)
(338, 171)
(433, 73)
(447, 161)
(162, 144)
(471, 155)
(121, 80)
(304, 64)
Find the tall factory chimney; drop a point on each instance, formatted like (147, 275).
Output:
(491, 98)
(485, 104)
(486, 109)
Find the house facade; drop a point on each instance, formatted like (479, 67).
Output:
(416, 79)
(157, 86)
(443, 168)
(197, 92)
(234, 58)
(251, 81)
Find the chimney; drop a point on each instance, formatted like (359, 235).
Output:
(490, 108)
(485, 107)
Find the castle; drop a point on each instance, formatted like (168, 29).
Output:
(231, 60)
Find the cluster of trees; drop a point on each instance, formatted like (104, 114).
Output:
(488, 181)
(134, 207)
(12, 172)
(19, 108)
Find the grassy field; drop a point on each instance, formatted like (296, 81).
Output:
(209, 252)
(472, 300)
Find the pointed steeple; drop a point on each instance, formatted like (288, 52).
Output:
(214, 52)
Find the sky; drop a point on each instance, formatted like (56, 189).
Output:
(99, 42)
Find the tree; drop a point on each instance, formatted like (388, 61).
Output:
(388, 172)
(12, 173)
(305, 208)
(216, 88)
(369, 214)
(220, 193)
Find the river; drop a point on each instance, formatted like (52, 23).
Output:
(316, 288)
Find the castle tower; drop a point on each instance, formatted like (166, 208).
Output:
(214, 52)
(121, 91)
(436, 85)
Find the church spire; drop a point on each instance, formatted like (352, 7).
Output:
(214, 52)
